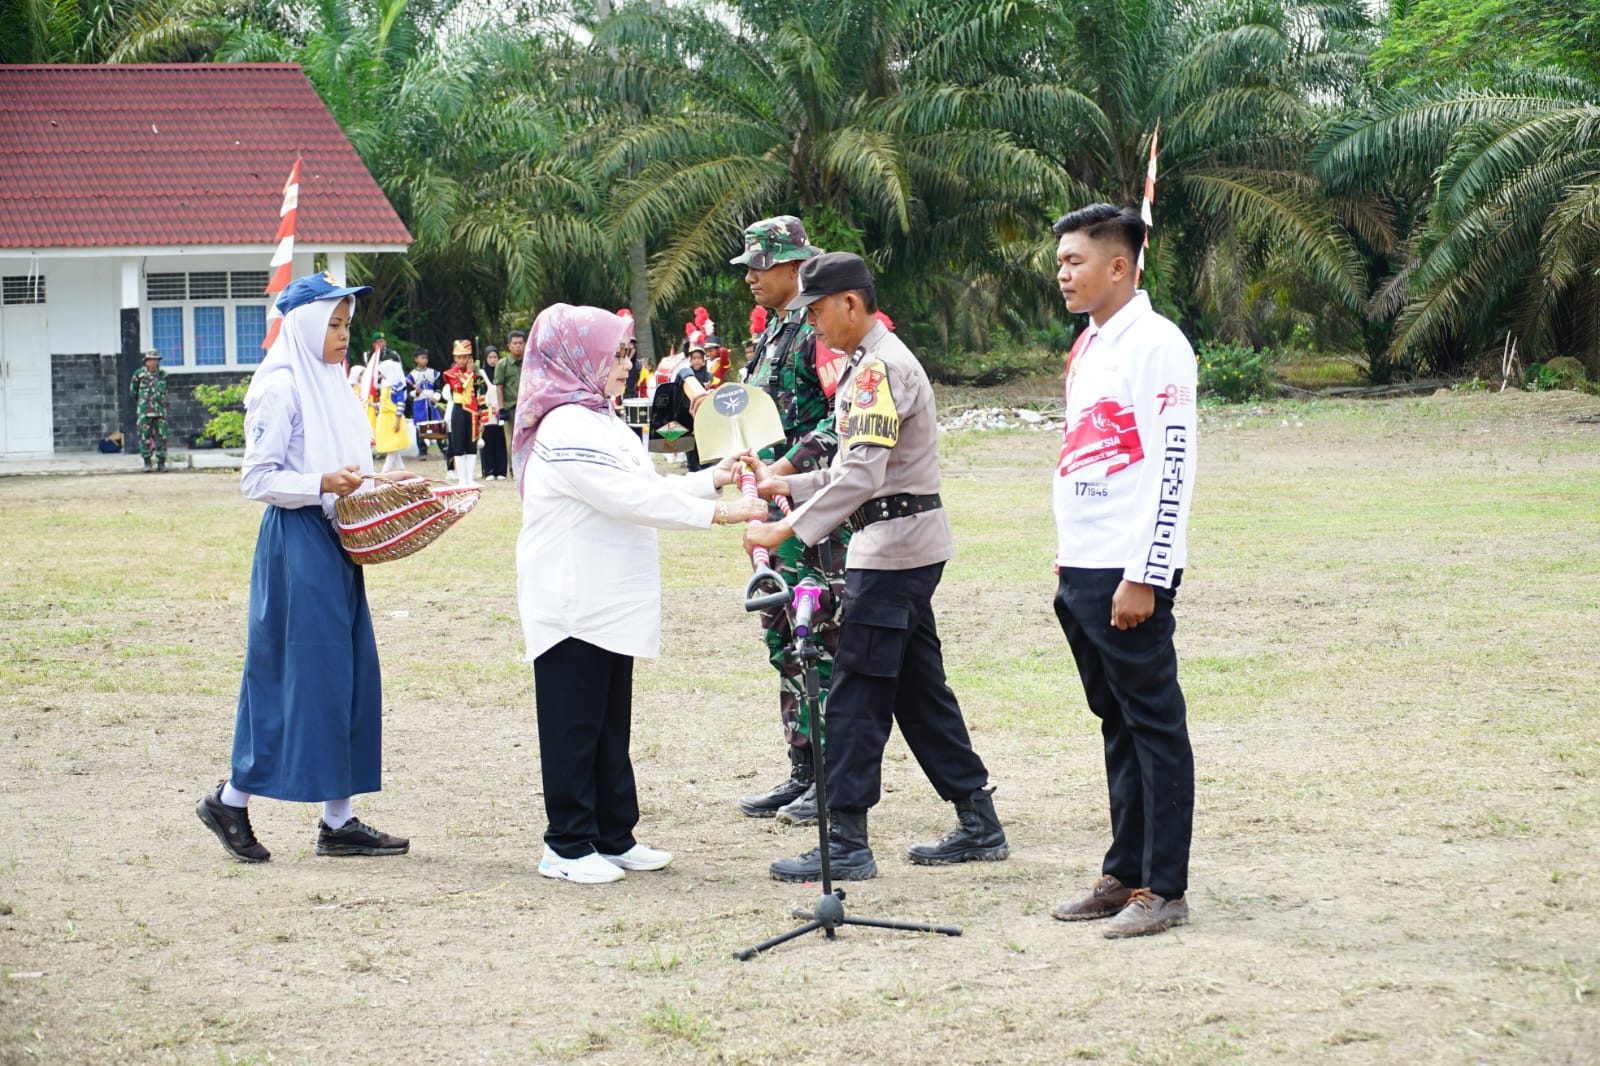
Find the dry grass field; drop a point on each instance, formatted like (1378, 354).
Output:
(1387, 637)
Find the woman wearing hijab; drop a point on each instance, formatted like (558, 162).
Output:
(589, 580)
(309, 728)
(493, 435)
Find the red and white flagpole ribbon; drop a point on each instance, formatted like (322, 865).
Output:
(282, 264)
(1147, 209)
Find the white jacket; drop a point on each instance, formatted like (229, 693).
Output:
(587, 561)
(1126, 473)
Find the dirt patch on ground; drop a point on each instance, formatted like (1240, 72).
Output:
(1387, 638)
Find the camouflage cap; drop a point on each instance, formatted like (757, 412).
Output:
(775, 240)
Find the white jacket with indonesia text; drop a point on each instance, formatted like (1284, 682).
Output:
(1126, 473)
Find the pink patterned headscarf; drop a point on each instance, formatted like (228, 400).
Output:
(568, 360)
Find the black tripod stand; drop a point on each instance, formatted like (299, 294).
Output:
(827, 914)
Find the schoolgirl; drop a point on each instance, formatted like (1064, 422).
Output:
(309, 728)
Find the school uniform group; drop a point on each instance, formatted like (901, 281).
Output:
(848, 503)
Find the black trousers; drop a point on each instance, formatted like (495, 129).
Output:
(585, 704)
(494, 451)
(890, 667)
(1130, 677)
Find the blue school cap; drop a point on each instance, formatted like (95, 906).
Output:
(313, 287)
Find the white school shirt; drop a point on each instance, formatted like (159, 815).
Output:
(588, 565)
(274, 468)
(1126, 474)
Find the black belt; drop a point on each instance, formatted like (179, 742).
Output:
(884, 508)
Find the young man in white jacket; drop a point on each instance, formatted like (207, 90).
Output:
(1122, 489)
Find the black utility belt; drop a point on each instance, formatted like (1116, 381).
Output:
(885, 508)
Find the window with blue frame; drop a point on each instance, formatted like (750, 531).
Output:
(166, 333)
(210, 336)
(250, 327)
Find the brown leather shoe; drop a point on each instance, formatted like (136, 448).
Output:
(1147, 914)
(1106, 898)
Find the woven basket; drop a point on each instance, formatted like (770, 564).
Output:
(401, 515)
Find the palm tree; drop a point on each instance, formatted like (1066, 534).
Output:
(852, 115)
(117, 31)
(458, 130)
(1506, 238)
(1241, 93)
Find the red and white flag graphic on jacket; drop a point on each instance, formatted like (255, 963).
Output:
(1105, 432)
(283, 258)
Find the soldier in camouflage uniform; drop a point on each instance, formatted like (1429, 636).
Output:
(149, 387)
(785, 365)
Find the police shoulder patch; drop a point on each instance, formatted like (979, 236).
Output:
(874, 419)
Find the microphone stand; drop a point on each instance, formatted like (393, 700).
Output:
(827, 913)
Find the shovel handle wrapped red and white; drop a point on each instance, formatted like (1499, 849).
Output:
(760, 558)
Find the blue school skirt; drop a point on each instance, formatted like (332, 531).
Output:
(310, 724)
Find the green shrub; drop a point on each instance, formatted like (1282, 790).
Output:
(1234, 373)
(1568, 371)
(1541, 378)
(226, 404)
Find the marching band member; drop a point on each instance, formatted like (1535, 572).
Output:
(424, 382)
(393, 431)
(466, 396)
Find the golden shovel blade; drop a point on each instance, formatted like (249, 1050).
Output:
(737, 418)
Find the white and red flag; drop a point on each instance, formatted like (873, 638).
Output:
(283, 258)
(1147, 209)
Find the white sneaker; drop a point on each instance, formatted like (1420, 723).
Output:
(640, 857)
(592, 869)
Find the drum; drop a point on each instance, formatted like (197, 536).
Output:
(636, 412)
(434, 430)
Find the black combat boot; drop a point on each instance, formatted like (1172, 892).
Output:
(849, 858)
(161, 466)
(766, 804)
(977, 838)
(802, 810)
(148, 468)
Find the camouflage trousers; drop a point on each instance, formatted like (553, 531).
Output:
(153, 439)
(795, 562)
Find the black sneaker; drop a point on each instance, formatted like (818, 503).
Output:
(232, 826)
(357, 838)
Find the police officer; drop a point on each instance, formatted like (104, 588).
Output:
(885, 480)
(785, 365)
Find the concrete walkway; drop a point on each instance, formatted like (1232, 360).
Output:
(84, 464)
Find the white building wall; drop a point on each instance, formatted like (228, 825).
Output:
(81, 296)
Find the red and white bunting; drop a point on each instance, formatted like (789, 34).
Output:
(1147, 209)
(283, 258)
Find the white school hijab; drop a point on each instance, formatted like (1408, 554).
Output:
(337, 433)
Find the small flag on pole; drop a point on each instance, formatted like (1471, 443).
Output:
(1147, 209)
(283, 258)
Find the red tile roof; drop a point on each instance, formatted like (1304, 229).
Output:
(177, 154)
